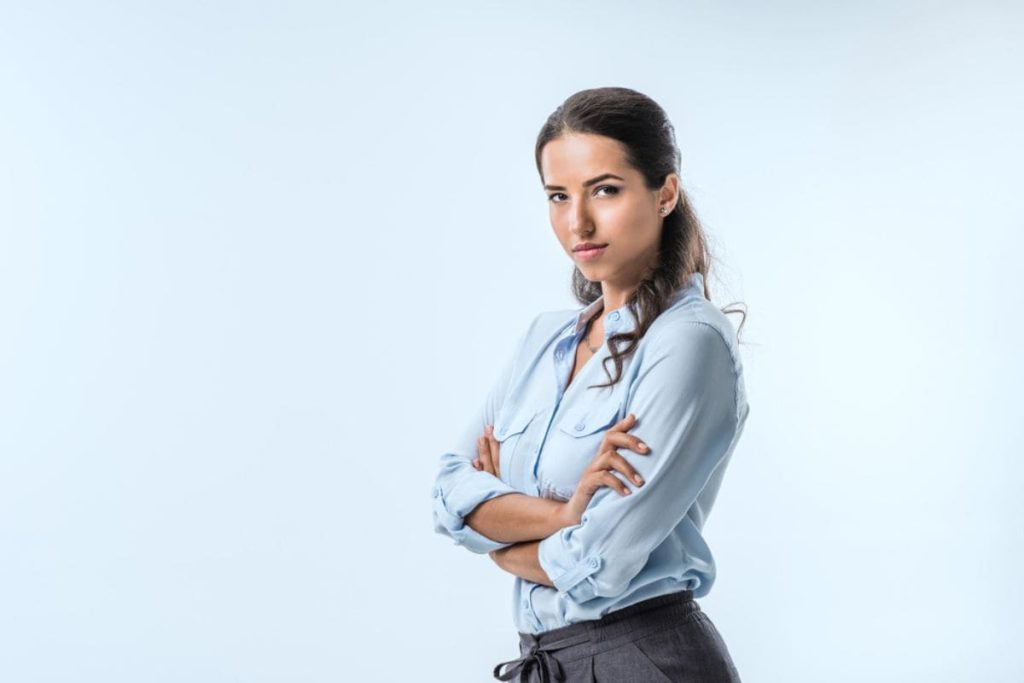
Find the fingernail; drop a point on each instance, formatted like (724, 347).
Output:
(638, 479)
(642, 445)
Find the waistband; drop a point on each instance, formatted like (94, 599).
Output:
(587, 638)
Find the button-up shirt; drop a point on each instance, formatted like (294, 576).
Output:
(685, 386)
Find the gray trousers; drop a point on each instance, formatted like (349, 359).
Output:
(665, 639)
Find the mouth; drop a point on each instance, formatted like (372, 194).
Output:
(589, 246)
(587, 252)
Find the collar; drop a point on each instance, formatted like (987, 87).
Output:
(622, 319)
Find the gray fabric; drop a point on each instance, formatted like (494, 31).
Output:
(664, 639)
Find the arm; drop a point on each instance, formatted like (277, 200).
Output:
(517, 517)
(687, 401)
(460, 489)
(521, 559)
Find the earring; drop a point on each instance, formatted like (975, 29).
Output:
(663, 211)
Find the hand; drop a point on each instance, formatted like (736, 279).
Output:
(488, 449)
(599, 472)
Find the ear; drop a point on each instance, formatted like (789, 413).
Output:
(669, 193)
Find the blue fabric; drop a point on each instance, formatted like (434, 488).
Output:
(685, 386)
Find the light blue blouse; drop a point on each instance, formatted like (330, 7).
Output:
(685, 386)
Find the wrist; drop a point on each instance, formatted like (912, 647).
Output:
(564, 516)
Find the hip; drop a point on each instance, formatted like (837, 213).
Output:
(664, 638)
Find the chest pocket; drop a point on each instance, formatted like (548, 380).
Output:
(586, 420)
(580, 431)
(511, 431)
(512, 421)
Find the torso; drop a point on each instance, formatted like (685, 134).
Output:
(583, 353)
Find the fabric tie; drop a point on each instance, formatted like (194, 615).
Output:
(538, 656)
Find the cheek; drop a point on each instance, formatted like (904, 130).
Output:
(620, 218)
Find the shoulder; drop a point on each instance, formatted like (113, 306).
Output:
(693, 342)
(692, 324)
(694, 345)
(541, 329)
(547, 323)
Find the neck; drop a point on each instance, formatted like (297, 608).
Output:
(615, 296)
(589, 339)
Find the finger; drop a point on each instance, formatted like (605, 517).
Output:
(614, 482)
(495, 449)
(625, 423)
(614, 460)
(478, 460)
(592, 481)
(630, 441)
(484, 453)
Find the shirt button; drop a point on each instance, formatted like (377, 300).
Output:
(613, 315)
(592, 563)
(580, 427)
(558, 355)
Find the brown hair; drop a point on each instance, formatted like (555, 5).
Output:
(643, 128)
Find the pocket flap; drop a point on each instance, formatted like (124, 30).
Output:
(513, 420)
(588, 419)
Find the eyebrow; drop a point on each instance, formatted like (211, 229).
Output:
(588, 183)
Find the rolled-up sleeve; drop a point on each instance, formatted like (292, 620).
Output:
(459, 487)
(689, 404)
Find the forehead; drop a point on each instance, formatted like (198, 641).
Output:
(575, 157)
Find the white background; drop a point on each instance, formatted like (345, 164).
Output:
(258, 262)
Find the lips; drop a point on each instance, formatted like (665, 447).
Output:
(588, 245)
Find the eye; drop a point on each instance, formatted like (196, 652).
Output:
(613, 190)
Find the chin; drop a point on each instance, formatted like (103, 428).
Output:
(591, 274)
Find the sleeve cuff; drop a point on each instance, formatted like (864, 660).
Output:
(572, 577)
(452, 506)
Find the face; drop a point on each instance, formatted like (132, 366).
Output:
(595, 196)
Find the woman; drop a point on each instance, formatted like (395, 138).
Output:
(594, 494)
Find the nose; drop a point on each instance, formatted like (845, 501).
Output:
(579, 220)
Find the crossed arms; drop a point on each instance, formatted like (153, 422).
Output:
(687, 398)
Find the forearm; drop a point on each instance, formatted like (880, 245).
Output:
(521, 559)
(516, 517)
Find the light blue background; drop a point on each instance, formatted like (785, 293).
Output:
(258, 262)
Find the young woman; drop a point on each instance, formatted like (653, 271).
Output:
(594, 494)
